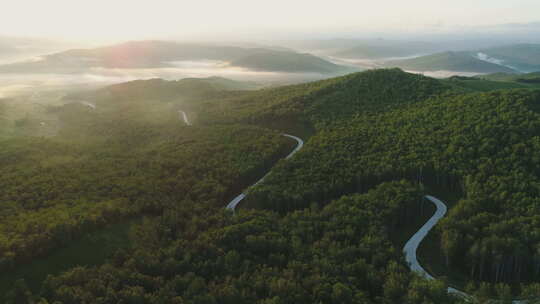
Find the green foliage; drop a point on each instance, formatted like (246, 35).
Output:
(479, 144)
(20, 294)
(327, 101)
(339, 254)
(323, 220)
(481, 84)
(115, 162)
(529, 80)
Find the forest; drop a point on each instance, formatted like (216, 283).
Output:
(116, 162)
(336, 254)
(320, 228)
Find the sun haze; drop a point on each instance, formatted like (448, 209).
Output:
(102, 20)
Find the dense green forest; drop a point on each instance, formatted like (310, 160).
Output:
(322, 226)
(337, 254)
(127, 157)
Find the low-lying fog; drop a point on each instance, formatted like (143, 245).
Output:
(379, 63)
(15, 83)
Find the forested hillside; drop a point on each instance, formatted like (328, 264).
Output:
(325, 226)
(124, 158)
(480, 145)
(338, 254)
(325, 101)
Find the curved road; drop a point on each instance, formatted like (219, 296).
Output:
(232, 204)
(184, 117)
(412, 244)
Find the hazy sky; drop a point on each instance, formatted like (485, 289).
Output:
(138, 19)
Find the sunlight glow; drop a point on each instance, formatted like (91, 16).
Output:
(123, 19)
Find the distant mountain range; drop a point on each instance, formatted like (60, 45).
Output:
(430, 57)
(164, 54)
(518, 58)
(288, 62)
(387, 49)
(449, 61)
(18, 46)
(458, 56)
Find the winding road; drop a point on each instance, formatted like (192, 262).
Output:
(412, 244)
(232, 204)
(299, 144)
(184, 117)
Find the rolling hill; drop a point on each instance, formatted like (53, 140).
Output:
(450, 61)
(289, 62)
(165, 54)
(18, 48)
(521, 57)
(187, 90)
(386, 49)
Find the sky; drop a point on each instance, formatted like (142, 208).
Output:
(102, 20)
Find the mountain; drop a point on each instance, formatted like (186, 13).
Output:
(164, 54)
(521, 57)
(337, 46)
(175, 91)
(504, 59)
(222, 83)
(18, 48)
(386, 49)
(450, 61)
(289, 62)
